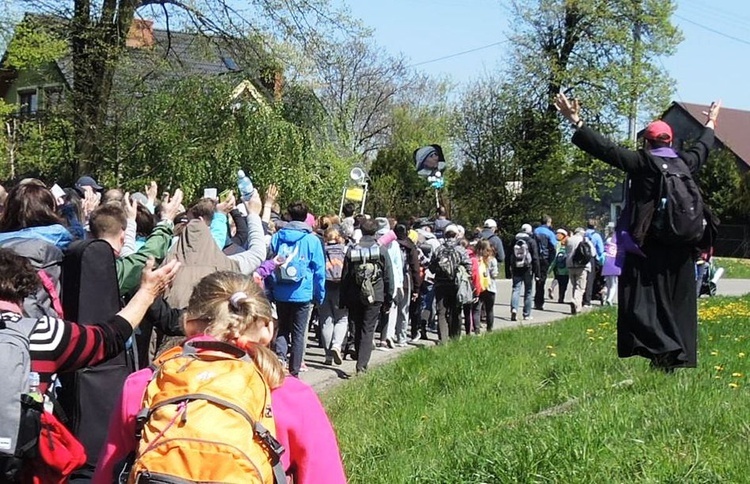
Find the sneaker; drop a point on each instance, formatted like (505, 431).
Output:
(415, 340)
(328, 362)
(303, 367)
(549, 294)
(402, 344)
(528, 318)
(513, 316)
(389, 343)
(336, 354)
(573, 308)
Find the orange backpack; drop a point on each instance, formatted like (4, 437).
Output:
(206, 417)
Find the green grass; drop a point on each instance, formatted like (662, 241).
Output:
(553, 404)
(734, 268)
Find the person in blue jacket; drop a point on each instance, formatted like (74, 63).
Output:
(547, 242)
(596, 262)
(298, 281)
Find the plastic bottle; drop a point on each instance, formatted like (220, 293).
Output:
(34, 387)
(245, 186)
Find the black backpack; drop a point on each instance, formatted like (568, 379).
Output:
(678, 216)
(583, 253)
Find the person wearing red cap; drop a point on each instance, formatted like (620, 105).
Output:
(657, 307)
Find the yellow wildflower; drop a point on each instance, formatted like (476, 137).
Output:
(714, 353)
(733, 385)
(737, 375)
(553, 355)
(741, 355)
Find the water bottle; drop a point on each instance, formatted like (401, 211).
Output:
(245, 186)
(34, 387)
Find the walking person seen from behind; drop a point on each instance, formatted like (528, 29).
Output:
(660, 227)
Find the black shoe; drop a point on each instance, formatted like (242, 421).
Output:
(573, 309)
(539, 308)
(513, 316)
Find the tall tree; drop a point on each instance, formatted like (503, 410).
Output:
(606, 54)
(360, 87)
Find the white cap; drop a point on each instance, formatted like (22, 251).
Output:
(526, 228)
(490, 224)
(450, 229)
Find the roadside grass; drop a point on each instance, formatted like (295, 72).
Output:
(734, 268)
(553, 403)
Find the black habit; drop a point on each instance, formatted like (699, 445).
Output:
(657, 313)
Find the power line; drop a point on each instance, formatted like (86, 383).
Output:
(457, 54)
(718, 32)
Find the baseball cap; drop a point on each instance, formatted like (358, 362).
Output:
(526, 228)
(562, 232)
(490, 224)
(658, 131)
(87, 181)
(451, 229)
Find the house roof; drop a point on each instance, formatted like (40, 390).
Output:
(732, 128)
(176, 55)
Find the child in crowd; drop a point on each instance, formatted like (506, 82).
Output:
(231, 308)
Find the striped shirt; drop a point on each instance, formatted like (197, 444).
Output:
(58, 346)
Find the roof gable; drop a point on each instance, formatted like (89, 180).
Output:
(732, 128)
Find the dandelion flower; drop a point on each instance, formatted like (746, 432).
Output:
(719, 368)
(590, 331)
(553, 355)
(549, 347)
(737, 375)
(733, 385)
(714, 353)
(741, 355)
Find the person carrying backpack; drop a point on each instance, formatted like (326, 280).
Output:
(445, 263)
(663, 222)
(34, 350)
(221, 394)
(547, 242)
(525, 270)
(298, 282)
(559, 268)
(366, 288)
(334, 320)
(580, 254)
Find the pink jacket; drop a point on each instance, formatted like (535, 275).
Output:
(302, 426)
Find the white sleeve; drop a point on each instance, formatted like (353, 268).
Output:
(254, 256)
(128, 246)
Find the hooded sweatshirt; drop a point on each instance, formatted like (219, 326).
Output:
(309, 250)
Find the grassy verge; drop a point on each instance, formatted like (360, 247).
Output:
(553, 404)
(734, 268)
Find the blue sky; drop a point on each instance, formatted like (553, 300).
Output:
(712, 62)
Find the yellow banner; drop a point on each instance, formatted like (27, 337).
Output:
(355, 194)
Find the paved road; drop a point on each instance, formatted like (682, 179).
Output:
(322, 376)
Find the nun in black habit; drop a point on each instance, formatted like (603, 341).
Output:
(657, 312)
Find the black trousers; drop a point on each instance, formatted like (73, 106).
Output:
(365, 319)
(540, 284)
(448, 312)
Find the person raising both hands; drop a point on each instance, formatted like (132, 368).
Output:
(661, 226)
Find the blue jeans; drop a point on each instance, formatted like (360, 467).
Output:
(293, 318)
(527, 279)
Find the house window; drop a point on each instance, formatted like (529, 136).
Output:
(52, 97)
(29, 101)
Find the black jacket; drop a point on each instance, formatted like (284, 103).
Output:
(350, 292)
(464, 261)
(642, 169)
(533, 249)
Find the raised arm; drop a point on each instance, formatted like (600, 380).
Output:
(594, 143)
